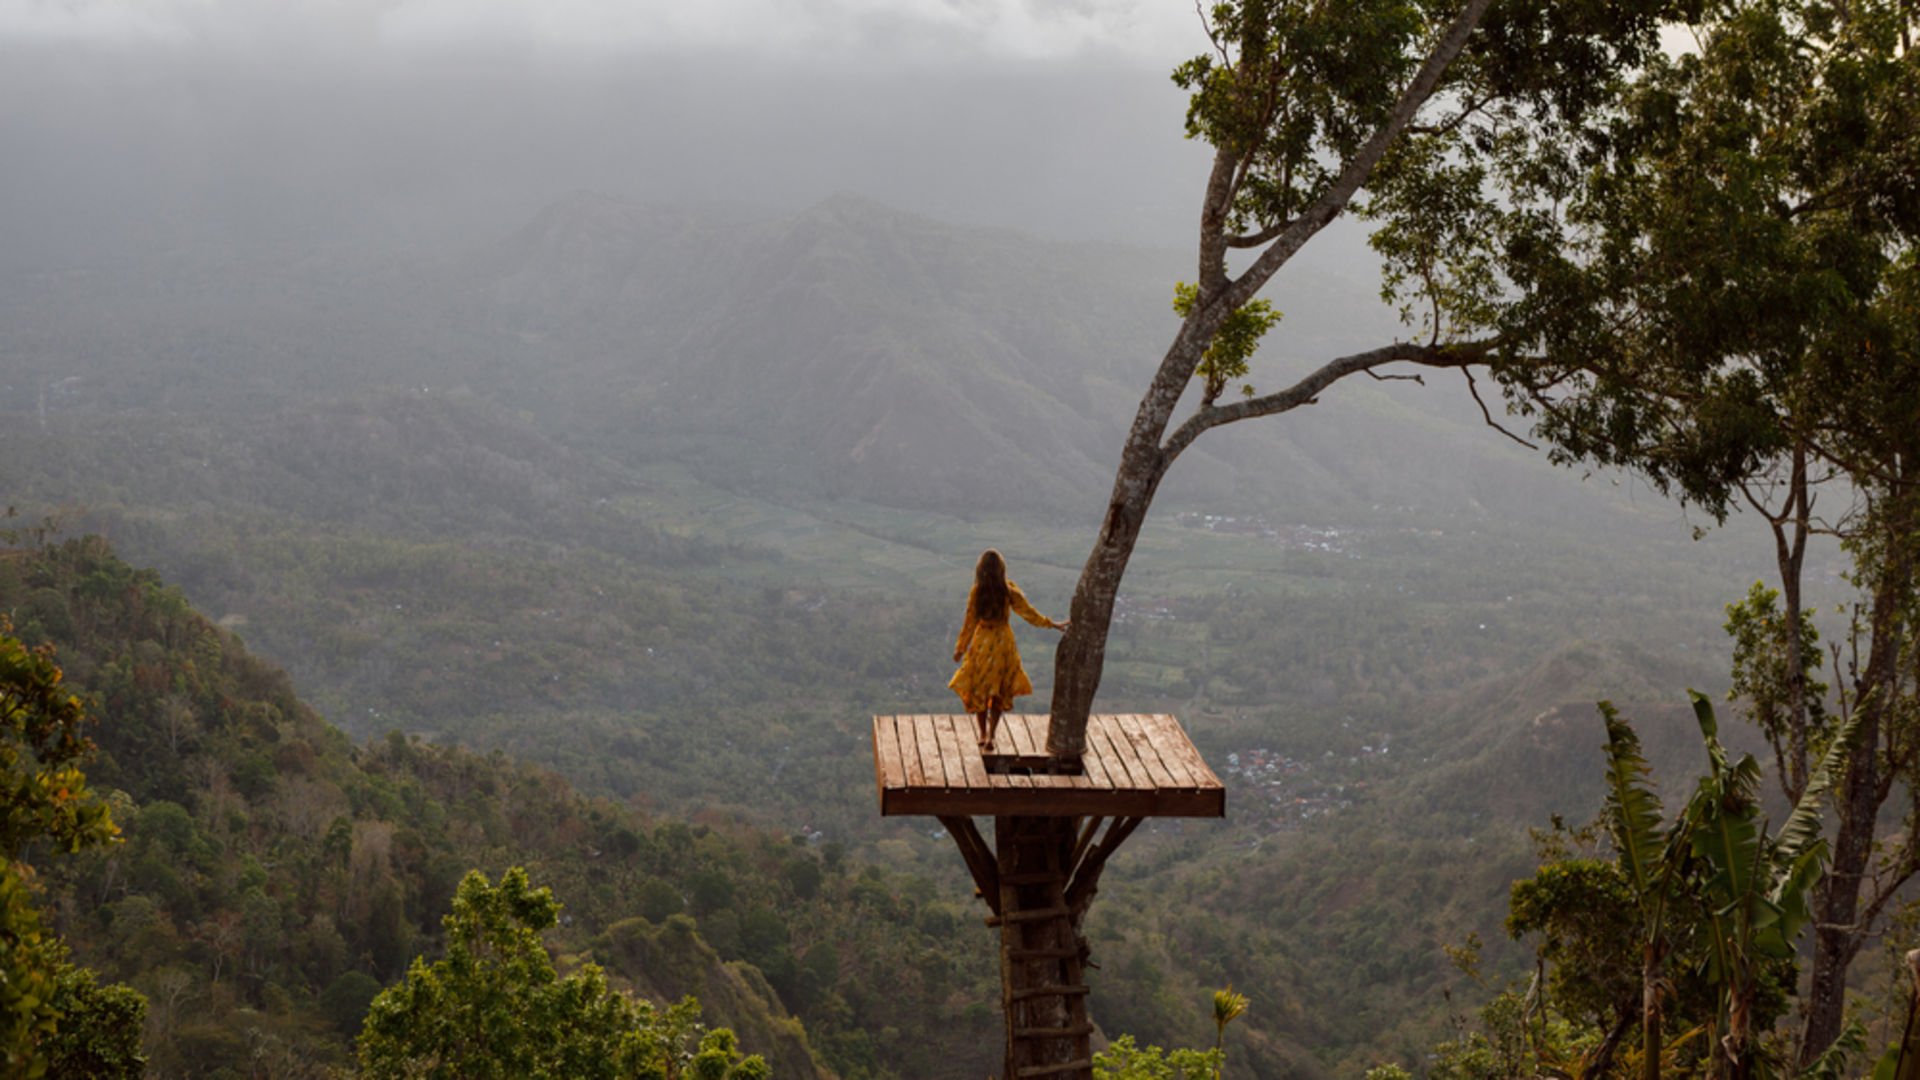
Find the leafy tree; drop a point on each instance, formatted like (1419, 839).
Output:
(1710, 903)
(1724, 295)
(42, 746)
(99, 1029)
(1124, 1059)
(1700, 266)
(51, 1013)
(346, 1000)
(495, 1007)
(1305, 105)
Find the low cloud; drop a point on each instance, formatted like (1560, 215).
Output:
(879, 32)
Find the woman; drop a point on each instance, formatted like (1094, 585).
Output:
(990, 675)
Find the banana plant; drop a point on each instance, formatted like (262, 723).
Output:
(1756, 890)
(1748, 891)
(1652, 856)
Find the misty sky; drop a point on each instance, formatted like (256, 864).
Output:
(133, 125)
(867, 31)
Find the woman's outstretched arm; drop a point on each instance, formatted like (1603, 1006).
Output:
(1020, 604)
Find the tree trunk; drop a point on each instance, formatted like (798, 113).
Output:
(1083, 652)
(1839, 929)
(1792, 554)
(1835, 937)
(1650, 976)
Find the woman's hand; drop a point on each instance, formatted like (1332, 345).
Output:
(1062, 625)
(957, 654)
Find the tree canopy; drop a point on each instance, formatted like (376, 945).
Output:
(495, 1007)
(1305, 106)
(52, 1015)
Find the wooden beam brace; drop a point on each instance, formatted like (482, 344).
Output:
(1086, 876)
(1087, 832)
(979, 858)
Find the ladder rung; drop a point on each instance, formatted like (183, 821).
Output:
(1049, 1070)
(1048, 991)
(1036, 914)
(1055, 1032)
(1041, 954)
(1037, 877)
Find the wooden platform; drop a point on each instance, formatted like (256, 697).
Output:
(1135, 766)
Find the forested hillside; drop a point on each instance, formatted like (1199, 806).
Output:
(1390, 655)
(274, 875)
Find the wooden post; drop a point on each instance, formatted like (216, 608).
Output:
(1042, 977)
(1053, 834)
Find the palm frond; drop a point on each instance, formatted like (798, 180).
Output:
(1633, 811)
(1802, 828)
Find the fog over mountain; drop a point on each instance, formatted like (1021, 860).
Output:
(630, 388)
(752, 226)
(127, 149)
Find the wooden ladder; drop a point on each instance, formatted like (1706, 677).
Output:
(1041, 958)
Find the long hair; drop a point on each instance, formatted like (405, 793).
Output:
(990, 587)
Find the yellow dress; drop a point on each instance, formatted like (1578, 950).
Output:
(990, 668)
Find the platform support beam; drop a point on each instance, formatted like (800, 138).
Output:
(1038, 877)
(1042, 955)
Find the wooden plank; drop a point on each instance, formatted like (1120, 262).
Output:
(1031, 1071)
(951, 755)
(1124, 765)
(1173, 746)
(1039, 736)
(1054, 990)
(1035, 877)
(1203, 776)
(1135, 766)
(1018, 738)
(886, 754)
(1035, 914)
(1094, 761)
(910, 753)
(1156, 744)
(1196, 764)
(882, 733)
(1008, 740)
(1144, 739)
(1130, 727)
(971, 765)
(1056, 802)
(1012, 737)
(1190, 756)
(931, 760)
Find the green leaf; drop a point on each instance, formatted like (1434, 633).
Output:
(1802, 828)
(1633, 811)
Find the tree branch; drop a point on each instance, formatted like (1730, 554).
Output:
(1473, 387)
(1331, 203)
(1266, 235)
(1307, 390)
(1220, 297)
(1214, 213)
(1448, 125)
